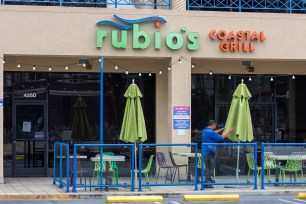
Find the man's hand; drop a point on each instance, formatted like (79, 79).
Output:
(228, 132)
(219, 130)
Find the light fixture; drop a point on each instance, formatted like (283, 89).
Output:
(180, 61)
(84, 64)
(66, 68)
(3, 61)
(293, 77)
(100, 60)
(210, 73)
(50, 68)
(116, 67)
(160, 71)
(150, 74)
(192, 66)
(126, 71)
(18, 65)
(271, 79)
(34, 67)
(229, 77)
(250, 79)
(139, 74)
(169, 68)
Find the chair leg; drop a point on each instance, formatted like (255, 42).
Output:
(187, 174)
(167, 175)
(147, 179)
(174, 173)
(248, 175)
(178, 174)
(157, 175)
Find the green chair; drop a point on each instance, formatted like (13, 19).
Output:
(96, 171)
(146, 170)
(269, 163)
(199, 165)
(251, 164)
(293, 164)
(113, 166)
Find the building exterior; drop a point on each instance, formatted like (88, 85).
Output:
(187, 59)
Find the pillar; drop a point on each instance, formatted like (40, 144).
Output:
(1, 119)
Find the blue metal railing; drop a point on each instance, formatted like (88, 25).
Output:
(166, 4)
(264, 147)
(140, 153)
(60, 179)
(273, 6)
(254, 145)
(100, 183)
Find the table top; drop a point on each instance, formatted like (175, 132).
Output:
(108, 158)
(71, 156)
(284, 157)
(186, 154)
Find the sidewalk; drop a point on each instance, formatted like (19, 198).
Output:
(42, 188)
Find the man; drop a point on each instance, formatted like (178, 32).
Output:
(211, 135)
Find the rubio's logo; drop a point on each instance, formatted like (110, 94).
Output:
(142, 39)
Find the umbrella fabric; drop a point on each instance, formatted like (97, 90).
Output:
(80, 127)
(133, 126)
(239, 116)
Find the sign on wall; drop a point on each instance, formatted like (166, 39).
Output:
(181, 117)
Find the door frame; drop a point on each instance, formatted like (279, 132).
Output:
(30, 171)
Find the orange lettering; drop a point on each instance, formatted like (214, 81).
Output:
(254, 36)
(212, 34)
(244, 47)
(231, 36)
(247, 35)
(239, 35)
(233, 46)
(251, 47)
(262, 36)
(224, 46)
(221, 34)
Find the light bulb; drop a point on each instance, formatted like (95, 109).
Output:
(127, 71)
(169, 68)
(116, 67)
(18, 65)
(150, 74)
(66, 68)
(34, 67)
(210, 73)
(50, 68)
(160, 72)
(100, 60)
(229, 77)
(3, 61)
(84, 65)
(180, 61)
(250, 79)
(139, 74)
(192, 66)
(293, 77)
(271, 79)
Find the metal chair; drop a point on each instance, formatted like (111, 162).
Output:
(162, 164)
(251, 164)
(269, 163)
(177, 168)
(80, 172)
(146, 170)
(293, 164)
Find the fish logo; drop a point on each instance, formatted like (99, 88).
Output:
(128, 24)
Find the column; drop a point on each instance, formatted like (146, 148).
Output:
(179, 5)
(1, 120)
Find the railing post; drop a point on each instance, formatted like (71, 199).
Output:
(202, 166)
(262, 166)
(74, 168)
(255, 171)
(290, 1)
(67, 168)
(133, 169)
(140, 167)
(239, 5)
(116, 3)
(169, 4)
(61, 166)
(54, 163)
(61, 2)
(196, 167)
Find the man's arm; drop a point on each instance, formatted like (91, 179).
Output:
(219, 130)
(225, 134)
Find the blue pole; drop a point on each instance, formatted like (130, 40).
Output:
(195, 168)
(202, 166)
(54, 163)
(133, 169)
(74, 168)
(262, 167)
(67, 168)
(255, 171)
(101, 97)
(61, 166)
(140, 166)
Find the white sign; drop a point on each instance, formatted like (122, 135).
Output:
(26, 126)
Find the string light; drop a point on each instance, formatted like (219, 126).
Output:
(84, 64)
(169, 68)
(34, 67)
(229, 77)
(271, 79)
(139, 74)
(210, 73)
(66, 68)
(192, 65)
(116, 67)
(180, 61)
(126, 71)
(3, 61)
(293, 77)
(50, 68)
(150, 74)
(160, 71)
(250, 79)
(18, 65)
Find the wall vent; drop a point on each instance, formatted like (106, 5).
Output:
(246, 63)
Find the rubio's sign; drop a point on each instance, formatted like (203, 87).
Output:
(237, 41)
(142, 39)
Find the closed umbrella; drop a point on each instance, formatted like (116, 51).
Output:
(80, 127)
(133, 126)
(239, 116)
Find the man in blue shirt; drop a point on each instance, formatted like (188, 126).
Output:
(211, 135)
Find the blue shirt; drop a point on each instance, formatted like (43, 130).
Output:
(210, 136)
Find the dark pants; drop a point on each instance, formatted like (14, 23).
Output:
(210, 164)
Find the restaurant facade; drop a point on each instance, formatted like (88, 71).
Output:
(181, 60)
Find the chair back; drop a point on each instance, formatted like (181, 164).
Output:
(97, 164)
(250, 160)
(149, 165)
(79, 167)
(294, 163)
(199, 165)
(172, 159)
(269, 162)
(161, 160)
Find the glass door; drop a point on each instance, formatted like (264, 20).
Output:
(29, 140)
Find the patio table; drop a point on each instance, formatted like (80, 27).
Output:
(189, 155)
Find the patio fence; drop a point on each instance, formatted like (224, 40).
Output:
(63, 154)
(166, 165)
(254, 158)
(276, 157)
(100, 163)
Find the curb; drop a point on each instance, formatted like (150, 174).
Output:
(40, 197)
(301, 196)
(130, 199)
(226, 197)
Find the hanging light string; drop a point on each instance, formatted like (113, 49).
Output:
(127, 70)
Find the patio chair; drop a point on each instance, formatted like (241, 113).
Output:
(177, 168)
(269, 163)
(79, 171)
(114, 166)
(251, 165)
(162, 164)
(293, 164)
(96, 171)
(146, 170)
(199, 165)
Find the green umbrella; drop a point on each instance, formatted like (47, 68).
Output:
(80, 127)
(239, 117)
(133, 126)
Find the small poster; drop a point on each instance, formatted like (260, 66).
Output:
(26, 126)
(181, 117)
